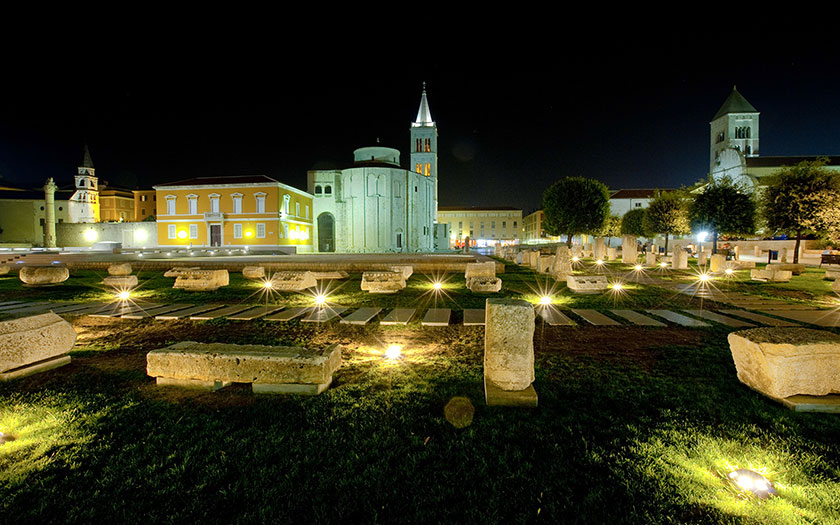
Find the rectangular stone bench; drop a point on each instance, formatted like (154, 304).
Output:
(795, 269)
(201, 280)
(587, 283)
(269, 369)
(776, 276)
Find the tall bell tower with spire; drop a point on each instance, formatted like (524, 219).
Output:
(424, 145)
(84, 203)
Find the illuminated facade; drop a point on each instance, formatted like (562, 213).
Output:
(145, 202)
(115, 204)
(84, 203)
(483, 225)
(246, 211)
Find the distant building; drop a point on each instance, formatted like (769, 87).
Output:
(84, 203)
(115, 204)
(242, 211)
(23, 214)
(376, 206)
(622, 201)
(484, 225)
(145, 202)
(734, 145)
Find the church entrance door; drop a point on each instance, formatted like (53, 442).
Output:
(326, 233)
(215, 235)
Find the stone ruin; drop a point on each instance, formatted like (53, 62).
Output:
(629, 249)
(406, 269)
(679, 259)
(119, 276)
(562, 266)
(178, 270)
(776, 276)
(293, 281)
(201, 280)
(650, 259)
(509, 353)
(481, 277)
(5, 269)
(544, 263)
(34, 344)
(383, 282)
(718, 263)
(795, 269)
(43, 275)
(253, 272)
(587, 284)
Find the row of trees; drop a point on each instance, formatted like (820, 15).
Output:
(796, 200)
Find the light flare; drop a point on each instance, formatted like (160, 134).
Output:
(393, 352)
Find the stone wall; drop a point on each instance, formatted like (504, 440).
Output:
(129, 234)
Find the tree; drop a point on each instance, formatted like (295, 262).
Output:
(612, 228)
(667, 214)
(800, 198)
(723, 208)
(633, 223)
(575, 205)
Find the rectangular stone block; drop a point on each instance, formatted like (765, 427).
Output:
(201, 280)
(629, 249)
(495, 396)
(795, 269)
(679, 259)
(33, 339)
(383, 282)
(293, 281)
(778, 276)
(544, 263)
(718, 263)
(509, 343)
(485, 269)
(484, 284)
(611, 253)
(650, 259)
(587, 284)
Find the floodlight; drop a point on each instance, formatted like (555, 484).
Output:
(638, 267)
(729, 271)
(755, 483)
(320, 299)
(393, 351)
(545, 300)
(125, 295)
(437, 285)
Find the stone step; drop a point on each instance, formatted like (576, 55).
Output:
(437, 317)
(554, 317)
(184, 314)
(222, 312)
(398, 316)
(676, 318)
(596, 318)
(722, 319)
(323, 315)
(758, 318)
(827, 318)
(143, 314)
(638, 319)
(255, 312)
(474, 317)
(362, 316)
(288, 315)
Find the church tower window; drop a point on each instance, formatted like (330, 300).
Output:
(428, 170)
(327, 190)
(428, 147)
(317, 190)
(419, 168)
(419, 144)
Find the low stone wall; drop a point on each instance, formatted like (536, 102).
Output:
(129, 234)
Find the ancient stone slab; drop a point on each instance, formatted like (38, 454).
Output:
(5, 269)
(43, 275)
(362, 316)
(485, 269)
(201, 280)
(332, 275)
(119, 269)
(220, 312)
(783, 362)
(596, 318)
(508, 346)
(28, 340)
(679, 259)
(292, 281)
(587, 284)
(827, 318)
(118, 309)
(323, 315)
(599, 251)
(577, 251)
(650, 259)
(484, 284)
(398, 316)
(520, 258)
(288, 315)
(495, 396)
(533, 257)
(776, 276)
(722, 319)
(702, 259)
(437, 317)
(405, 269)
(383, 282)
(832, 274)
(257, 364)
(740, 265)
(676, 318)
(175, 272)
(562, 267)
(474, 317)
(544, 263)
(152, 312)
(186, 313)
(120, 281)
(835, 286)
(718, 263)
(795, 269)
(629, 249)
(758, 318)
(254, 313)
(612, 253)
(637, 318)
(253, 272)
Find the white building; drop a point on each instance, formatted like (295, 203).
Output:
(84, 203)
(622, 201)
(376, 206)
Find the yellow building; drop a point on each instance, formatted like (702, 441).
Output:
(145, 202)
(534, 231)
(115, 204)
(244, 211)
(485, 226)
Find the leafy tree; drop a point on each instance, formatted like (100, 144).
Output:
(723, 208)
(575, 205)
(150, 218)
(801, 198)
(612, 228)
(633, 223)
(667, 214)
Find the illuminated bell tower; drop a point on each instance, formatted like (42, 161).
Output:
(424, 147)
(734, 127)
(84, 203)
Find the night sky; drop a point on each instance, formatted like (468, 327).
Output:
(632, 111)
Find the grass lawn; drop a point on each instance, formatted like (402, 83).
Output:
(635, 425)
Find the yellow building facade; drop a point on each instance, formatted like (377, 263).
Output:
(247, 211)
(115, 204)
(485, 226)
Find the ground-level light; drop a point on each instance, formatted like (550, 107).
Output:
(267, 284)
(663, 264)
(618, 287)
(638, 267)
(599, 262)
(320, 299)
(124, 295)
(575, 258)
(729, 271)
(393, 351)
(545, 300)
(753, 482)
(704, 277)
(437, 285)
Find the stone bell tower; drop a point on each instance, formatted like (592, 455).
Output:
(84, 203)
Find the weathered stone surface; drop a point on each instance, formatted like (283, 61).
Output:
(832, 274)
(485, 269)
(520, 258)
(43, 275)
(32, 339)
(679, 260)
(702, 259)
(587, 283)
(756, 251)
(533, 257)
(484, 284)
(201, 280)
(4, 269)
(120, 281)
(253, 272)
(629, 249)
(782, 362)
(293, 281)
(331, 275)
(577, 251)
(718, 263)
(259, 364)
(650, 259)
(599, 251)
(740, 265)
(119, 269)
(611, 253)
(406, 269)
(795, 269)
(509, 343)
(779, 276)
(835, 286)
(544, 263)
(562, 266)
(175, 272)
(383, 282)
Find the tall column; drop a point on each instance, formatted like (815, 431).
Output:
(49, 210)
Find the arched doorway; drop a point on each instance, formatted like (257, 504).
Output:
(326, 232)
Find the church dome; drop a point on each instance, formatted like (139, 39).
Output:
(376, 155)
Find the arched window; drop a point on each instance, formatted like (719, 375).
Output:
(317, 190)
(327, 190)
(748, 132)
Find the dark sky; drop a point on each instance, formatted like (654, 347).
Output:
(630, 108)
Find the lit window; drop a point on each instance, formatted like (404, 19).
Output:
(428, 145)
(286, 199)
(261, 202)
(260, 231)
(171, 231)
(193, 201)
(297, 209)
(170, 206)
(428, 169)
(214, 203)
(419, 143)
(419, 168)
(237, 203)
(237, 231)
(193, 231)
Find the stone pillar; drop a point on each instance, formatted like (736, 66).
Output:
(629, 249)
(49, 209)
(783, 255)
(611, 253)
(562, 267)
(757, 251)
(650, 259)
(509, 353)
(737, 251)
(577, 251)
(718, 263)
(520, 257)
(702, 259)
(467, 244)
(533, 257)
(599, 252)
(679, 259)
(587, 250)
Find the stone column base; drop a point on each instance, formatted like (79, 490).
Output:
(302, 389)
(196, 384)
(495, 396)
(35, 368)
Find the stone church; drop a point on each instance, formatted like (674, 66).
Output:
(375, 205)
(734, 145)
